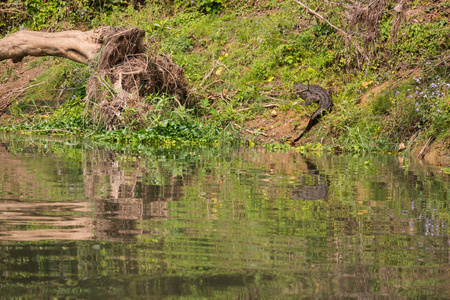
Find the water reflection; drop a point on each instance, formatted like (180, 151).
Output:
(62, 225)
(312, 186)
(125, 189)
(82, 221)
(100, 197)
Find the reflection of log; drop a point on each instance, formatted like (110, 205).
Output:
(75, 45)
(70, 218)
(125, 192)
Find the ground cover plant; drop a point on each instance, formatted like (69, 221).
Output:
(241, 59)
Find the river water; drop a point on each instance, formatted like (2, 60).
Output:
(79, 220)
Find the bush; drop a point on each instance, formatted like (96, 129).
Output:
(42, 13)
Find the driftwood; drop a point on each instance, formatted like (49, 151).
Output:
(79, 46)
(125, 71)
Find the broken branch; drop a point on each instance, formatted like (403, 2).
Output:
(322, 18)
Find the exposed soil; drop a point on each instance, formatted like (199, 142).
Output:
(277, 126)
(373, 92)
(15, 85)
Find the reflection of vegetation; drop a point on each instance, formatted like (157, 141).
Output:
(231, 226)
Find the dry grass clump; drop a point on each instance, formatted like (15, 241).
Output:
(364, 21)
(126, 73)
(400, 9)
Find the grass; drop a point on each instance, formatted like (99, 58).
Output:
(236, 56)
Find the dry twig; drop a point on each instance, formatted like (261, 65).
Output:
(321, 17)
(427, 144)
(211, 71)
(347, 36)
(7, 99)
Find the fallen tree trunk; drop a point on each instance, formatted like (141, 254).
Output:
(125, 71)
(79, 46)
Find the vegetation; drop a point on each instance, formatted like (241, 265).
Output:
(238, 57)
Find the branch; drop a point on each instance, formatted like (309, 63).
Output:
(427, 144)
(322, 18)
(6, 100)
(341, 31)
(211, 71)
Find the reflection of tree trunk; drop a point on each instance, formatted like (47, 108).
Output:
(70, 228)
(15, 176)
(122, 197)
(16, 179)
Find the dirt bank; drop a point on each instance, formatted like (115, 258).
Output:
(18, 79)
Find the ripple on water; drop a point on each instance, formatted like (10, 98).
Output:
(235, 222)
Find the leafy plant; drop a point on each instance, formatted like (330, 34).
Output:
(46, 12)
(261, 70)
(183, 43)
(382, 104)
(210, 6)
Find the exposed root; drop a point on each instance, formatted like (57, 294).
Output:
(126, 73)
(399, 18)
(363, 21)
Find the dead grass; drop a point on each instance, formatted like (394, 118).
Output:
(12, 89)
(127, 72)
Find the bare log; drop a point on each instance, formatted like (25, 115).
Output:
(75, 45)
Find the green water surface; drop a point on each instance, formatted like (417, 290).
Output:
(80, 221)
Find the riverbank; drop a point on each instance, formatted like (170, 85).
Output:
(241, 61)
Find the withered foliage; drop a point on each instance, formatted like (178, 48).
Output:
(361, 28)
(400, 10)
(126, 72)
(365, 20)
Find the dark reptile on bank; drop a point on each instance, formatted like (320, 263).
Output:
(315, 93)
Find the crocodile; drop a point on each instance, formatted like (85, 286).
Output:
(317, 94)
